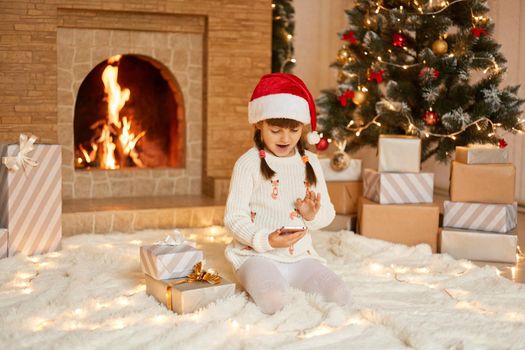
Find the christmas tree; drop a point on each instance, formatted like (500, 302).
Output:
(419, 67)
(283, 26)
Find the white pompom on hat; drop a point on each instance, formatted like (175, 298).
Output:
(282, 95)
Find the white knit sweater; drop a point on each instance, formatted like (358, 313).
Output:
(256, 207)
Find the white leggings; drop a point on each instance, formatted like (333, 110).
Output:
(267, 281)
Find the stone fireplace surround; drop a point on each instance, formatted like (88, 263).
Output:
(78, 52)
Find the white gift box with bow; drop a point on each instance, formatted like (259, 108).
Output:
(30, 193)
(172, 257)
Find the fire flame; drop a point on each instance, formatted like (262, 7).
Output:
(113, 129)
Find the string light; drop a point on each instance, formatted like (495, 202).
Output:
(426, 133)
(445, 5)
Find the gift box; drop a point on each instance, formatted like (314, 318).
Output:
(408, 224)
(30, 193)
(187, 296)
(482, 154)
(351, 173)
(398, 188)
(3, 243)
(344, 196)
(480, 246)
(479, 216)
(482, 183)
(164, 261)
(399, 154)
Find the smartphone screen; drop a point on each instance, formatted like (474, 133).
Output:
(286, 230)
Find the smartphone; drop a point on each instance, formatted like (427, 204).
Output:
(286, 230)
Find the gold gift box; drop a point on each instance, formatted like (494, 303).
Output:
(188, 296)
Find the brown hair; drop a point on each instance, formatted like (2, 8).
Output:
(268, 172)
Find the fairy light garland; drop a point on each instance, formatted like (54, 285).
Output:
(425, 132)
(445, 5)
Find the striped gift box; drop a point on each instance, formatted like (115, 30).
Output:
(3, 243)
(31, 201)
(162, 261)
(480, 216)
(398, 188)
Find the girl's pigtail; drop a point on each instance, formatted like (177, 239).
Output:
(266, 171)
(310, 173)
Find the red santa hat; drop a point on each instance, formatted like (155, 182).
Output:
(281, 95)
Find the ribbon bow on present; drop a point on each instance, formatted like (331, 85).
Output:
(22, 159)
(176, 239)
(199, 274)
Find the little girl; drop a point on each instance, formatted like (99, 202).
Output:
(278, 183)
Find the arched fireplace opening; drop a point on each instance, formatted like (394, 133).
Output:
(129, 113)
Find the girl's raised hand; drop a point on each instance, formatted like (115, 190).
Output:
(279, 239)
(309, 206)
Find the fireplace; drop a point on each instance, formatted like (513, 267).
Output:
(159, 80)
(129, 112)
(211, 54)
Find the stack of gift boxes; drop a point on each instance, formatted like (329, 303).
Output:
(175, 275)
(397, 203)
(480, 219)
(344, 188)
(30, 198)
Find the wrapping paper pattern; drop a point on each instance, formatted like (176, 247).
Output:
(482, 155)
(31, 201)
(187, 297)
(351, 173)
(3, 243)
(479, 216)
(168, 261)
(398, 153)
(481, 246)
(398, 188)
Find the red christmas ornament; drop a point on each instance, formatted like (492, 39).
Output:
(322, 145)
(502, 143)
(347, 95)
(399, 40)
(431, 118)
(477, 32)
(429, 71)
(377, 76)
(350, 37)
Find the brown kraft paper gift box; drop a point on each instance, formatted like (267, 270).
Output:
(482, 183)
(345, 195)
(409, 224)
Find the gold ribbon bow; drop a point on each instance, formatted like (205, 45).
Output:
(198, 274)
(22, 159)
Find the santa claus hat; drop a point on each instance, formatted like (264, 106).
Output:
(281, 95)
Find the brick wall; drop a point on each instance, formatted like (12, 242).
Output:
(237, 51)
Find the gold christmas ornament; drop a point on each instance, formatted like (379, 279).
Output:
(343, 55)
(359, 97)
(340, 161)
(440, 47)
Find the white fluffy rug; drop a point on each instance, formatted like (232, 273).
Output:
(92, 295)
